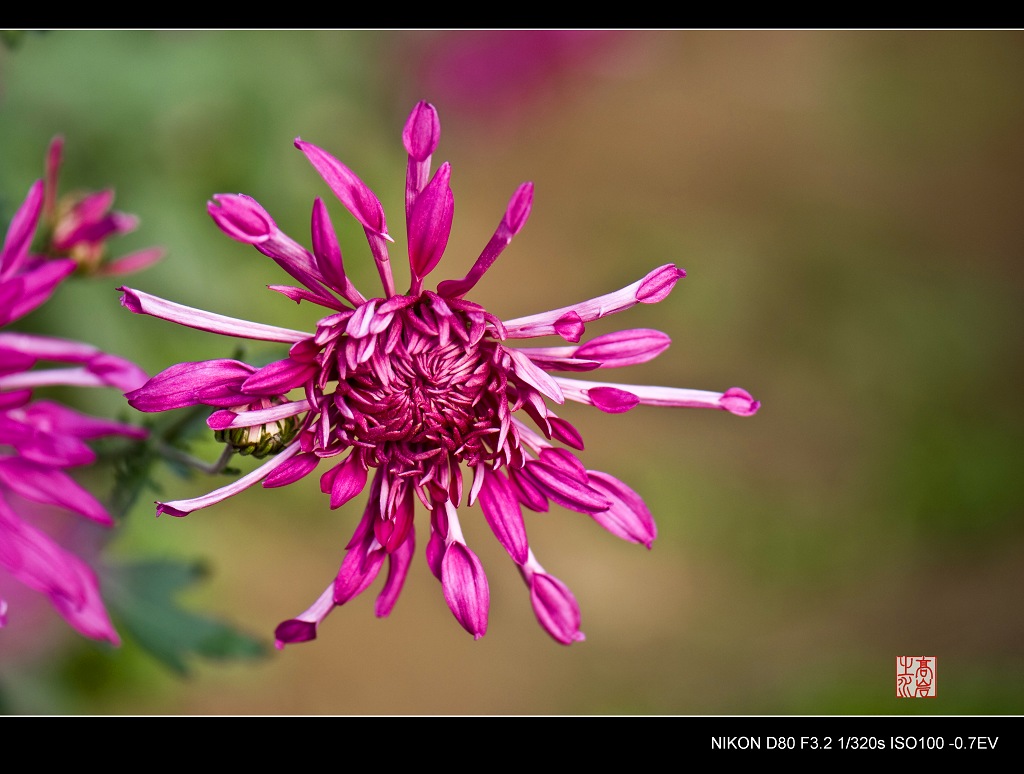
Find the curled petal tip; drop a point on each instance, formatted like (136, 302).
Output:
(292, 631)
(519, 208)
(739, 402)
(612, 400)
(422, 131)
(658, 284)
(241, 217)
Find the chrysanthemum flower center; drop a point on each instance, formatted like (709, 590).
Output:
(428, 392)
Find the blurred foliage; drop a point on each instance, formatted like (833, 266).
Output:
(142, 596)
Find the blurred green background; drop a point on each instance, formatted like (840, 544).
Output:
(848, 208)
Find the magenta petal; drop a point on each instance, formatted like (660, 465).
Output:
(211, 382)
(398, 568)
(739, 402)
(628, 516)
(292, 631)
(501, 509)
(658, 284)
(241, 217)
(565, 432)
(465, 588)
(116, 371)
(43, 484)
(131, 263)
(19, 233)
(556, 608)
(515, 218)
(278, 377)
(37, 286)
(291, 471)
(436, 543)
(63, 420)
(570, 327)
(422, 132)
(567, 490)
(612, 400)
(350, 190)
(327, 252)
(358, 570)
(624, 348)
(430, 223)
(36, 560)
(349, 479)
(303, 627)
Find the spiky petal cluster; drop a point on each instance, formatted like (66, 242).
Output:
(78, 225)
(403, 392)
(40, 439)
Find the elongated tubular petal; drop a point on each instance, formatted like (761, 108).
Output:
(420, 136)
(68, 377)
(210, 382)
(738, 401)
(430, 225)
(62, 420)
(35, 287)
(224, 419)
(651, 289)
(624, 348)
(304, 626)
(398, 568)
(47, 347)
(553, 603)
(36, 560)
(327, 252)
(612, 399)
(241, 217)
(558, 359)
(527, 490)
(465, 588)
(360, 201)
(46, 484)
(566, 489)
(300, 264)
(278, 377)
(131, 263)
(348, 479)
(734, 400)
(536, 377)
(143, 303)
(628, 516)
(185, 507)
(392, 528)
(361, 564)
(41, 443)
(299, 466)
(501, 509)
(516, 214)
(350, 190)
(19, 233)
(563, 431)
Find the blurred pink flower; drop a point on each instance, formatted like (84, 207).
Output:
(40, 439)
(412, 387)
(78, 225)
(503, 76)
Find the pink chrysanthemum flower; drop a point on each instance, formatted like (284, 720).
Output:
(78, 225)
(402, 392)
(39, 439)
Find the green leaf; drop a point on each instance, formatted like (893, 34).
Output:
(141, 596)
